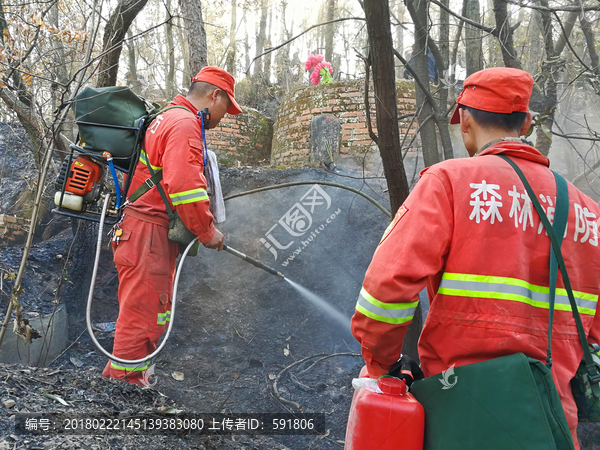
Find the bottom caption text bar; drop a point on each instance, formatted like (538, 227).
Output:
(180, 424)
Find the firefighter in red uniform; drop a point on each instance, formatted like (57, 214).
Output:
(143, 255)
(469, 232)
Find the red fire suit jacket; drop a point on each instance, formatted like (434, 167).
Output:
(470, 233)
(173, 143)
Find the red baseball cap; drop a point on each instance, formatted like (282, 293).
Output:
(498, 90)
(222, 79)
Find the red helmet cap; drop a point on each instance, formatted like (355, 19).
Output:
(498, 90)
(222, 79)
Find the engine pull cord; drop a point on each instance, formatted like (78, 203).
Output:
(88, 311)
(109, 159)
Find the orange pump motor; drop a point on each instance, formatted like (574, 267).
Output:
(83, 182)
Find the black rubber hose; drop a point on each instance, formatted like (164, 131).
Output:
(325, 183)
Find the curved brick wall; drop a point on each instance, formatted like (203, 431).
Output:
(345, 100)
(245, 137)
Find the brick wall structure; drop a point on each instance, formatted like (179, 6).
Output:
(13, 230)
(345, 100)
(245, 137)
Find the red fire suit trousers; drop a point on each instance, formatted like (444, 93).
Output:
(146, 261)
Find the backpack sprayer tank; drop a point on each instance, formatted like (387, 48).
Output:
(82, 182)
(111, 124)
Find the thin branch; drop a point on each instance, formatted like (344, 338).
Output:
(465, 19)
(554, 10)
(272, 49)
(564, 32)
(367, 61)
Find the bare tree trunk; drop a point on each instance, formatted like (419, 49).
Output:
(268, 57)
(452, 63)
(442, 120)
(586, 28)
(534, 31)
(473, 40)
(61, 73)
(568, 25)
(171, 53)
(258, 74)
(329, 30)
(377, 13)
(114, 33)
(195, 32)
(133, 78)
(260, 39)
(400, 35)
(246, 41)
(418, 12)
(547, 83)
(185, 51)
(505, 35)
(231, 53)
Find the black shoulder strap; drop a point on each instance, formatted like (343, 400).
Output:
(561, 215)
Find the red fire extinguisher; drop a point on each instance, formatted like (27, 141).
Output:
(389, 420)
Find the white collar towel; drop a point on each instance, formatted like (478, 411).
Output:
(211, 172)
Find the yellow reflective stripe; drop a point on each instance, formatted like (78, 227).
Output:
(144, 159)
(515, 282)
(372, 300)
(513, 289)
(392, 320)
(394, 313)
(130, 367)
(163, 318)
(193, 195)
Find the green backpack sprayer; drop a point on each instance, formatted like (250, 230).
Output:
(112, 122)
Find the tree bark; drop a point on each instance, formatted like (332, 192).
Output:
(505, 35)
(329, 30)
(185, 51)
(231, 53)
(196, 34)
(418, 12)
(473, 39)
(246, 40)
(171, 53)
(377, 14)
(114, 33)
(442, 120)
(400, 36)
(268, 57)
(260, 39)
(547, 83)
(133, 77)
(586, 28)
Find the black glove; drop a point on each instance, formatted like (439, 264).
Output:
(407, 369)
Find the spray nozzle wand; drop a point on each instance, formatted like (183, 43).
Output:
(252, 261)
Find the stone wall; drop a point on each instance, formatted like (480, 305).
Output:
(345, 100)
(245, 137)
(13, 230)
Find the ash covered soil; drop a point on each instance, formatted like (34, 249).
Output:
(237, 330)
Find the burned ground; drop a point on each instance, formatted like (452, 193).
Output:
(237, 330)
